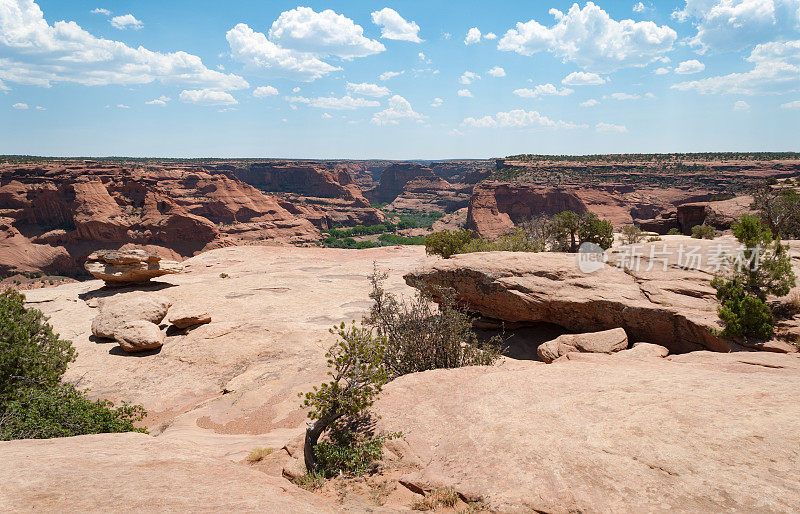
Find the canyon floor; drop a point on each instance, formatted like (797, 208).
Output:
(697, 431)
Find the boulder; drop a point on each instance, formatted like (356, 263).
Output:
(115, 312)
(606, 341)
(185, 318)
(138, 336)
(119, 267)
(644, 351)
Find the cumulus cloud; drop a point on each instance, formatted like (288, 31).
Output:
(326, 116)
(490, 35)
(543, 90)
(367, 89)
(298, 41)
(386, 75)
(639, 7)
(776, 68)
(126, 21)
(399, 109)
(20, 106)
(32, 52)
(661, 71)
(161, 101)
(624, 96)
(394, 26)
(207, 97)
(40, 108)
(100, 10)
(473, 36)
(590, 103)
(582, 78)
(741, 105)
(730, 25)
(345, 103)
(591, 39)
(468, 77)
(437, 102)
(518, 118)
(791, 105)
(690, 66)
(466, 93)
(610, 128)
(497, 71)
(264, 91)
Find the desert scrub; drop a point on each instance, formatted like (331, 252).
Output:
(703, 232)
(631, 234)
(674, 232)
(258, 454)
(432, 500)
(310, 481)
(349, 452)
(446, 243)
(34, 403)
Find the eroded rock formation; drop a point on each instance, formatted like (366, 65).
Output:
(119, 267)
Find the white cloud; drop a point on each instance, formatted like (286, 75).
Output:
(776, 67)
(264, 91)
(32, 52)
(207, 97)
(610, 128)
(590, 38)
(255, 49)
(386, 75)
(650, 96)
(517, 118)
(3, 87)
(161, 100)
(466, 93)
(437, 102)
(123, 106)
(394, 26)
(468, 77)
(100, 10)
(40, 108)
(640, 7)
(20, 106)
(126, 21)
(497, 71)
(326, 116)
(446, 35)
(582, 78)
(690, 66)
(791, 105)
(543, 90)
(590, 103)
(490, 35)
(741, 105)
(399, 109)
(322, 34)
(624, 96)
(473, 36)
(661, 71)
(730, 25)
(367, 89)
(345, 103)
(455, 132)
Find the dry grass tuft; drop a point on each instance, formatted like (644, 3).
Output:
(258, 454)
(435, 499)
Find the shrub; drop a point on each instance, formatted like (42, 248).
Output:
(703, 232)
(631, 234)
(446, 243)
(772, 181)
(594, 230)
(349, 452)
(779, 210)
(743, 315)
(34, 404)
(419, 337)
(311, 481)
(570, 230)
(674, 232)
(395, 239)
(258, 454)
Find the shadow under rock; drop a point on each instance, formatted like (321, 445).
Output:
(107, 291)
(117, 350)
(521, 341)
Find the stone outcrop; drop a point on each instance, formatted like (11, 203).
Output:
(115, 311)
(184, 318)
(607, 341)
(432, 195)
(138, 336)
(674, 308)
(394, 178)
(719, 215)
(121, 267)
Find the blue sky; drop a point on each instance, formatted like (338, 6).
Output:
(465, 79)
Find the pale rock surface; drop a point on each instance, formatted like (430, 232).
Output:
(606, 341)
(120, 267)
(138, 336)
(183, 318)
(116, 310)
(699, 432)
(138, 473)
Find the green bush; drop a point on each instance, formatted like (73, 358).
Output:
(594, 230)
(703, 232)
(743, 315)
(674, 232)
(446, 243)
(395, 239)
(631, 234)
(33, 401)
(349, 452)
(418, 219)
